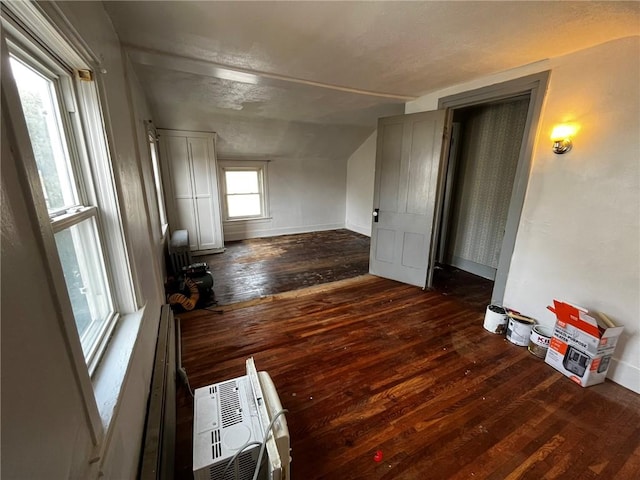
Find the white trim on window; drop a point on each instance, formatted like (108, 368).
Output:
(99, 160)
(260, 168)
(60, 53)
(152, 142)
(39, 208)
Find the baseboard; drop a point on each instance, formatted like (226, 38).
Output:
(248, 231)
(624, 374)
(210, 251)
(359, 229)
(483, 271)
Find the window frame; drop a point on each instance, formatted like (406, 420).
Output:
(156, 170)
(30, 30)
(260, 167)
(85, 206)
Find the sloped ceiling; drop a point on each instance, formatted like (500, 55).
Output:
(310, 79)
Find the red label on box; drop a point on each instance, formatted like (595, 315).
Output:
(558, 346)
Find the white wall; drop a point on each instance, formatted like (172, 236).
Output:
(42, 408)
(141, 117)
(305, 195)
(307, 169)
(360, 180)
(44, 431)
(579, 234)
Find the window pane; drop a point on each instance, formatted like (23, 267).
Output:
(242, 182)
(85, 277)
(244, 205)
(40, 106)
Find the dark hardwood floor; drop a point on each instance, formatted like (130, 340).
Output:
(259, 267)
(254, 268)
(369, 364)
(463, 286)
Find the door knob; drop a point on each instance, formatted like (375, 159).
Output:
(376, 214)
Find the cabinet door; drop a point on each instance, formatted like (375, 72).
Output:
(203, 192)
(190, 171)
(182, 213)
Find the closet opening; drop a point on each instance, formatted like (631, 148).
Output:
(485, 148)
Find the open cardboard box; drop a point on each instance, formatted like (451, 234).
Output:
(582, 346)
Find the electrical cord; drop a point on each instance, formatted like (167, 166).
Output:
(214, 310)
(264, 442)
(183, 375)
(235, 456)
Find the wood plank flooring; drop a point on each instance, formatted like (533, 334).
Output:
(253, 268)
(370, 364)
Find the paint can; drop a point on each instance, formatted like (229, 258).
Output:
(495, 319)
(519, 329)
(539, 340)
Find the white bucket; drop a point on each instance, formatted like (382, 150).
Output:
(495, 320)
(539, 340)
(519, 329)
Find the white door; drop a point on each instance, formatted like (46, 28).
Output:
(191, 178)
(407, 170)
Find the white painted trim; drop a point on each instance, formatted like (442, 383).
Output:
(26, 166)
(536, 86)
(244, 75)
(111, 373)
(625, 374)
(478, 269)
(262, 169)
(246, 233)
(35, 17)
(186, 133)
(359, 229)
(119, 242)
(72, 218)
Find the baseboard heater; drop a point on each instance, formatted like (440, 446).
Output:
(158, 454)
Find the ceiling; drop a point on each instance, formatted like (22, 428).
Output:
(310, 79)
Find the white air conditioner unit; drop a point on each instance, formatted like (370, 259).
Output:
(231, 415)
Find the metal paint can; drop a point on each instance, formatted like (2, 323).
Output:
(495, 319)
(519, 329)
(539, 340)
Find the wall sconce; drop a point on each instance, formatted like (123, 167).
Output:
(561, 137)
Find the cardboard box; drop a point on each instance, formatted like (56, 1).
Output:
(581, 347)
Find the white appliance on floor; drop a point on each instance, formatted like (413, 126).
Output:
(234, 414)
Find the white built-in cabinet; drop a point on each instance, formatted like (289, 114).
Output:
(190, 177)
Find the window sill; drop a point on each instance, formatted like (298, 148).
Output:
(249, 220)
(111, 373)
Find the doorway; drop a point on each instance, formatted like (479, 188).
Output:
(483, 183)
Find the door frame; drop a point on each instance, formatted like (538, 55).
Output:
(536, 86)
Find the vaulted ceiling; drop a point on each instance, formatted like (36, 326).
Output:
(310, 79)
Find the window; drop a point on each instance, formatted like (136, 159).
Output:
(67, 164)
(157, 179)
(244, 190)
